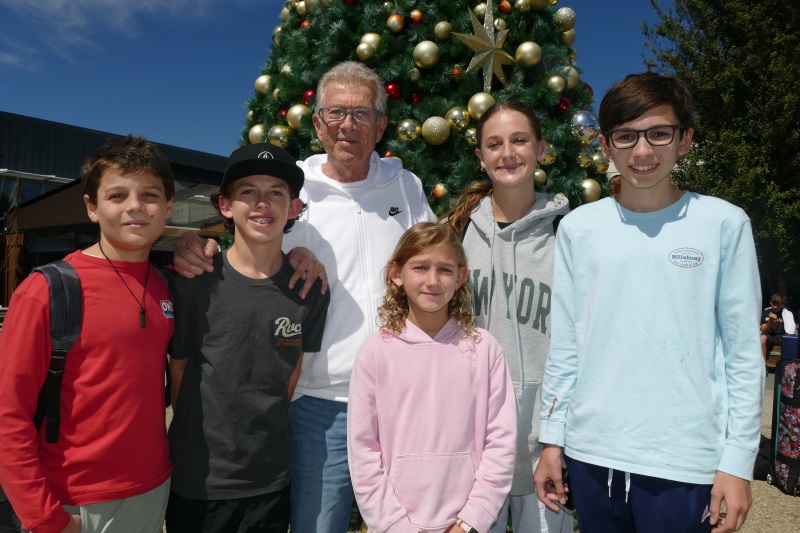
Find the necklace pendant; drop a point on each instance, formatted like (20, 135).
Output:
(141, 317)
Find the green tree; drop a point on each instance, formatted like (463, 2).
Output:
(528, 44)
(742, 62)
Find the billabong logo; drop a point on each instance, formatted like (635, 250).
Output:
(265, 155)
(166, 307)
(686, 257)
(394, 211)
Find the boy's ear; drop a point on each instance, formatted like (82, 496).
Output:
(295, 208)
(170, 204)
(686, 142)
(225, 206)
(394, 274)
(91, 208)
(604, 146)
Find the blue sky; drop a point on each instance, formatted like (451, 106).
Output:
(180, 71)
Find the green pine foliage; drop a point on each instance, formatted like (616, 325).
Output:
(334, 29)
(741, 60)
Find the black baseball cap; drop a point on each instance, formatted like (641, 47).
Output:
(263, 159)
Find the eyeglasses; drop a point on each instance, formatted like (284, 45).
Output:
(366, 116)
(655, 136)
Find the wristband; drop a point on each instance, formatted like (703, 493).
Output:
(466, 527)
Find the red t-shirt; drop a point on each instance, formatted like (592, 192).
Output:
(112, 443)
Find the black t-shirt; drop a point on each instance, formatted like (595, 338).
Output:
(229, 436)
(776, 328)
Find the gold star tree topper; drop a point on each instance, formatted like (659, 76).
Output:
(488, 48)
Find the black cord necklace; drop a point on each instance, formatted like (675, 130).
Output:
(144, 289)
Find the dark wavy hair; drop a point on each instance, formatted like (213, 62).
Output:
(636, 94)
(458, 217)
(393, 311)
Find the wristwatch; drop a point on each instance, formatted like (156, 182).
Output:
(466, 527)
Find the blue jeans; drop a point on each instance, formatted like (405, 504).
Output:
(322, 494)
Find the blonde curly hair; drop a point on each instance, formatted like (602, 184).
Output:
(393, 311)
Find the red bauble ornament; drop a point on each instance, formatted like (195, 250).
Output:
(416, 98)
(393, 90)
(439, 191)
(505, 7)
(563, 104)
(305, 24)
(281, 117)
(591, 94)
(308, 96)
(349, 2)
(388, 154)
(416, 16)
(456, 73)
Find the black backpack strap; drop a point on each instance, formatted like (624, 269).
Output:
(66, 306)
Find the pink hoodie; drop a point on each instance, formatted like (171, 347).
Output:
(431, 429)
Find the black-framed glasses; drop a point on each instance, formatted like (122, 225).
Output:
(366, 116)
(655, 136)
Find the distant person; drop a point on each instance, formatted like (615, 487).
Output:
(110, 467)
(240, 335)
(358, 207)
(659, 425)
(432, 417)
(508, 233)
(776, 321)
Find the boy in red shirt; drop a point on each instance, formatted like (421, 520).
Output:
(111, 460)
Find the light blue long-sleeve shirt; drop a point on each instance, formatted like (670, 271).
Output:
(655, 363)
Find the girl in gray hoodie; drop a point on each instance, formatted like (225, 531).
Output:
(509, 237)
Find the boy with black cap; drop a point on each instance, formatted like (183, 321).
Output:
(240, 334)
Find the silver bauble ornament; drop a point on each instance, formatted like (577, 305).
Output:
(471, 135)
(600, 162)
(408, 129)
(584, 157)
(585, 126)
(549, 155)
(457, 118)
(279, 135)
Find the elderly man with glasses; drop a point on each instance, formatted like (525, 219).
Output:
(358, 207)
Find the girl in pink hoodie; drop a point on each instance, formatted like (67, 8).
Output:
(431, 415)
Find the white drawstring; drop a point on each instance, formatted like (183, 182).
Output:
(610, 476)
(627, 483)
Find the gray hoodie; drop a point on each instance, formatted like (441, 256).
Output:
(512, 269)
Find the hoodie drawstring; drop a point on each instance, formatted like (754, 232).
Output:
(627, 483)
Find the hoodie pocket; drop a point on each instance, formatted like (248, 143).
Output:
(433, 488)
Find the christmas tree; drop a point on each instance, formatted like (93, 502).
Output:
(444, 63)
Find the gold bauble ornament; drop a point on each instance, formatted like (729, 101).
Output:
(556, 84)
(442, 30)
(395, 23)
(590, 190)
(294, 117)
(538, 5)
(522, 5)
(316, 145)
(263, 84)
(365, 51)
(572, 55)
(286, 69)
(439, 191)
(255, 134)
(311, 5)
(480, 10)
(285, 13)
(388, 7)
(584, 157)
(564, 18)
(549, 155)
(276, 94)
(457, 118)
(435, 130)
(568, 37)
(426, 54)
(279, 136)
(250, 116)
(373, 39)
(414, 75)
(276, 35)
(290, 4)
(528, 54)
(500, 24)
(540, 176)
(301, 8)
(471, 135)
(570, 74)
(478, 104)
(600, 162)
(408, 129)
(553, 2)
